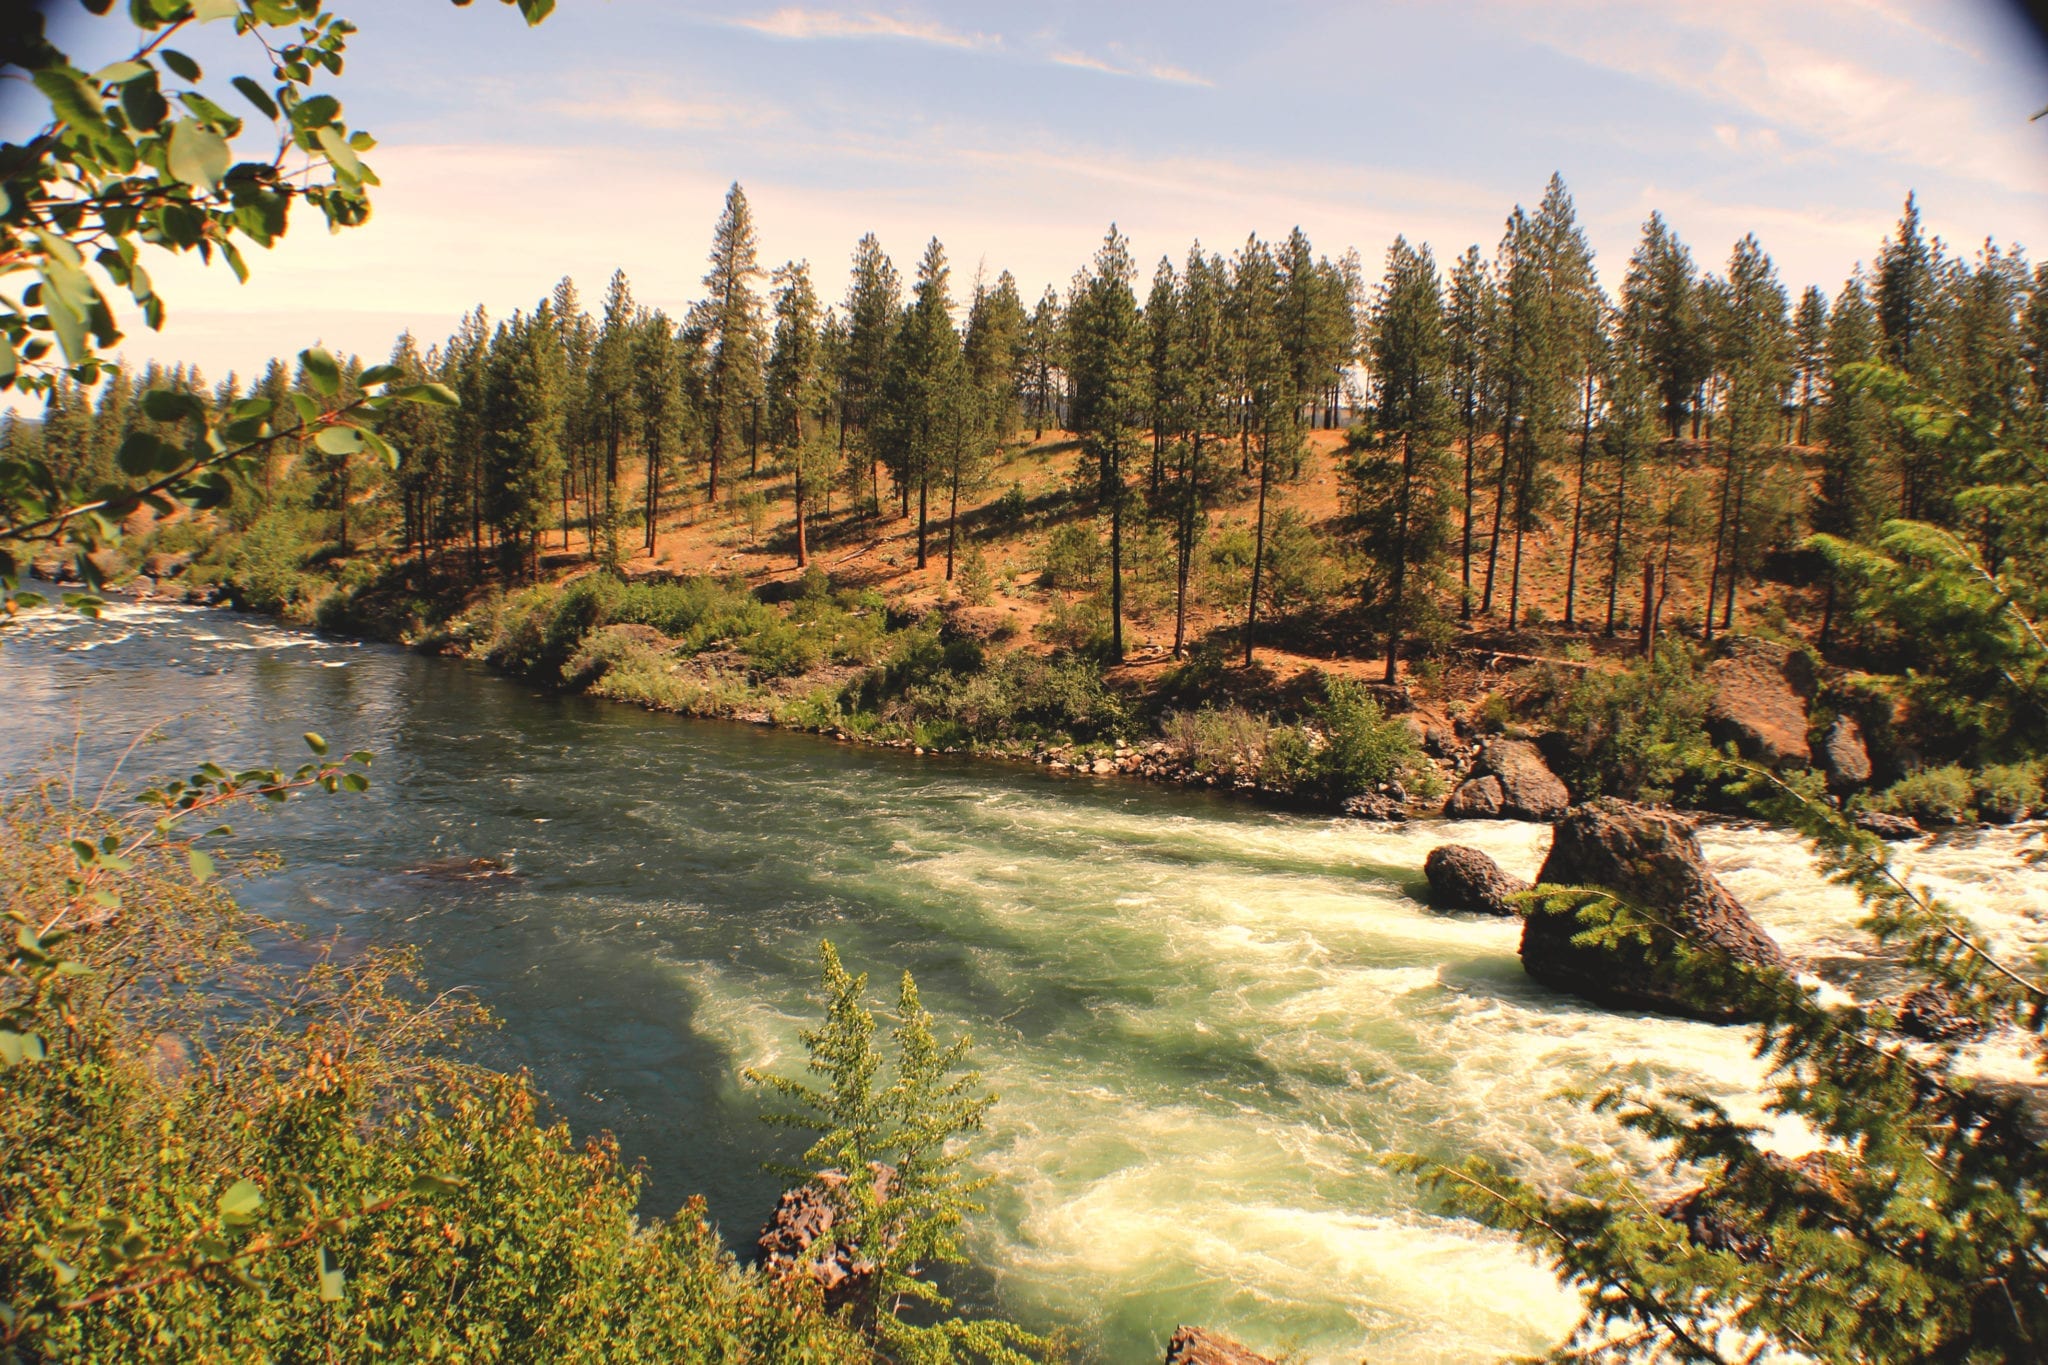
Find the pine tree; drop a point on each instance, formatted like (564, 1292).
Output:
(610, 390)
(1401, 499)
(732, 326)
(1809, 349)
(1105, 340)
(987, 414)
(1661, 321)
(1754, 345)
(1265, 398)
(919, 423)
(658, 399)
(583, 421)
(796, 393)
(874, 304)
(1043, 347)
(1199, 414)
(1473, 303)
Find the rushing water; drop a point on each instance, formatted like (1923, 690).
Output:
(1203, 1019)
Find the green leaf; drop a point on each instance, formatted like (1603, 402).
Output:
(332, 1280)
(355, 782)
(170, 405)
(241, 1201)
(430, 1186)
(177, 61)
(257, 96)
(206, 11)
(346, 165)
(321, 371)
(198, 155)
(201, 863)
(72, 97)
(316, 112)
(316, 742)
(120, 73)
(432, 395)
(339, 440)
(379, 374)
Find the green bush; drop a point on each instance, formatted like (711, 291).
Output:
(1081, 626)
(1362, 746)
(265, 570)
(1009, 509)
(1933, 796)
(214, 1160)
(1074, 556)
(1637, 733)
(2008, 792)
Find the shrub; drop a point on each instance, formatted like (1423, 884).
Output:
(1009, 509)
(1362, 746)
(2008, 792)
(1635, 733)
(1933, 796)
(265, 571)
(1214, 739)
(611, 647)
(1081, 626)
(1074, 556)
(302, 1165)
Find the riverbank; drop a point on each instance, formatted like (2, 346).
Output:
(854, 667)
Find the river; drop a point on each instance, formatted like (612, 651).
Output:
(1203, 1018)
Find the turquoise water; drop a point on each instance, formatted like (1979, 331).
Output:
(1204, 1019)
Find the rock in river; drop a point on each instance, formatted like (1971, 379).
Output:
(1199, 1346)
(1463, 878)
(1650, 860)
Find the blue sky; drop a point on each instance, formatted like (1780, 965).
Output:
(607, 136)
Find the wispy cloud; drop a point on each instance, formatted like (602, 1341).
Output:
(793, 21)
(1800, 78)
(648, 108)
(1121, 65)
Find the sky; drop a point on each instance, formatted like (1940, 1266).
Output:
(606, 138)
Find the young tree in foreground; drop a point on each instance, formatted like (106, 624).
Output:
(898, 1113)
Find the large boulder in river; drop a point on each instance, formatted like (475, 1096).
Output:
(1760, 693)
(1528, 789)
(1199, 1346)
(1463, 878)
(1650, 860)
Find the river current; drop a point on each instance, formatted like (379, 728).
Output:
(1203, 1019)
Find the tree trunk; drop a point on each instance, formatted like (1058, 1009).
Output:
(1720, 543)
(1400, 556)
(1571, 573)
(1735, 544)
(1525, 474)
(1614, 548)
(1116, 553)
(1465, 553)
(953, 517)
(1251, 615)
(1500, 497)
(1648, 630)
(923, 502)
(1190, 471)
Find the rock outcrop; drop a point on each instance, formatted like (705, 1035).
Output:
(804, 1215)
(1760, 694)
(1929, 1013)
(1463, 878)
(1650, 860)
(1199, 1346)
(1528, 789)
(1480, 798)
(1844, 757)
